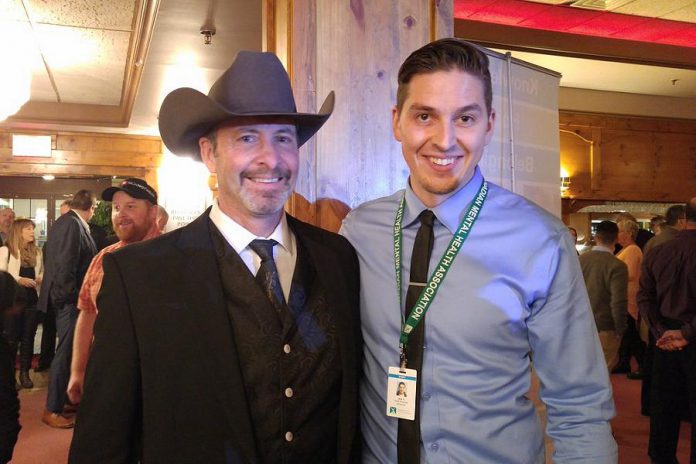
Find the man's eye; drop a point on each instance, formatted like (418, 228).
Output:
(466, 119)
(423, 117)
(247, 138)
(285, 139)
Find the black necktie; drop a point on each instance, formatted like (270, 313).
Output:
(267, 276)
(408, 443)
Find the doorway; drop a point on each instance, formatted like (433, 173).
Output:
(39, 199)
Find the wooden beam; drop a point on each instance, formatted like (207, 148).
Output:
(64, 170)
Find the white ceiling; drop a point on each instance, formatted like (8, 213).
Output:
(78, 52)
(179, 58)
(76, 49)
(615, 77)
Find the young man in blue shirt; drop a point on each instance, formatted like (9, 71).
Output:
(504, 284)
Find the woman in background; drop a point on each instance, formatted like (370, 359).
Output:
(22, 258)
(631, 344)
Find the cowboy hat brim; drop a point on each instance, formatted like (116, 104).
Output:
(187, 114)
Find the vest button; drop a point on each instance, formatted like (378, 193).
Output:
(286, 349)
(288, 436)
(289, 392)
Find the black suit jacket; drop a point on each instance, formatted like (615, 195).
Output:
(68, 252)
(163, 383)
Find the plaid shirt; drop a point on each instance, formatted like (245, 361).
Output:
(87, 299)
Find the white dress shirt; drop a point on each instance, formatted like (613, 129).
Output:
(239, 238)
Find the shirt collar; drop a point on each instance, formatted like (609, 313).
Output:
(84, 223)
(239, 238)
(602, 248)
(451, 211)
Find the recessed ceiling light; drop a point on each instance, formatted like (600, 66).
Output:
(48, 177)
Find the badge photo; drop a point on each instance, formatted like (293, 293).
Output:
(401, 393)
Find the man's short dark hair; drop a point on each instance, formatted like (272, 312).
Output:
(674, 214)
(607, 232)
(656, 221)
(82, 200)
(445, 55)
(690, 210)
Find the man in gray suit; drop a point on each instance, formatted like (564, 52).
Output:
(606, 278)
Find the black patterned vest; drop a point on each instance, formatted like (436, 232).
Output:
(289, 361)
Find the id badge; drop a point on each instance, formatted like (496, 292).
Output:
(401, 393)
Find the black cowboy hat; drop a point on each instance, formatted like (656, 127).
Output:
(256, 84)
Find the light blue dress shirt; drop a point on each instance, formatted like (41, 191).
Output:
(515, 288)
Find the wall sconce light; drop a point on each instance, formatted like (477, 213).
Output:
(565, 182)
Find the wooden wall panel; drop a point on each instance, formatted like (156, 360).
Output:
(634, 159)
(354, 48)
(87, 155)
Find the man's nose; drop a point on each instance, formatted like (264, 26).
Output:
(444, 136)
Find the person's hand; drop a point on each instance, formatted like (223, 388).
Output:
(672, 340)
(75, 387)
(39, 280)
(26, 282)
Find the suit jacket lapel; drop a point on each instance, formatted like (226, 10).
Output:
(202, 290)
(325, 263)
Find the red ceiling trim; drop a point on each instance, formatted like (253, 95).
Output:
(560, 18)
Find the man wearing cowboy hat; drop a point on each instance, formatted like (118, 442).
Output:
(235, 339)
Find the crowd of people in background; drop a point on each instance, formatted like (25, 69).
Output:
(57, 272)
(642, 289)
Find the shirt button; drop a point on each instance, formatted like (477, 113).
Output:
(426, 396)
(286, 349)
(435, 446)
(289, 392)
(288, 436)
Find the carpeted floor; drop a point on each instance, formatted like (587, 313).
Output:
(40, 444)
(631, 429)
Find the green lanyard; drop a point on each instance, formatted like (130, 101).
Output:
(436, 278)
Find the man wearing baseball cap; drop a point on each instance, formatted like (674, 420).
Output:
(234, 339)
(133, 216)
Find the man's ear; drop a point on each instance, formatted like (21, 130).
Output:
(207, 151)
(153, 212)
(396, 129)
(491, 126)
